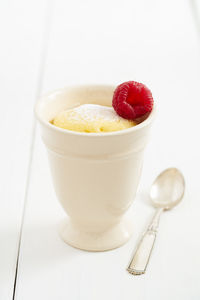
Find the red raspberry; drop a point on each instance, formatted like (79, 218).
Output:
(132, 100)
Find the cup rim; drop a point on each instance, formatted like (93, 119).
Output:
(50, 126)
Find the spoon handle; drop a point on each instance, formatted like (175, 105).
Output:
(143, 251)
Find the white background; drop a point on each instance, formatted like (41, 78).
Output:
(49, 44)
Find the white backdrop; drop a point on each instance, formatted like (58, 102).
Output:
(49, 44)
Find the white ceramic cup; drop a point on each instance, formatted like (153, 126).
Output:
(95, 175)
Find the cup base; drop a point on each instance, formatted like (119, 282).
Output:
(113, 238)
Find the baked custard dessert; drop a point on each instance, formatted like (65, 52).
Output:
(131, 102)
(91, 118)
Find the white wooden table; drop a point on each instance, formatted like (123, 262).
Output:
(49, 44)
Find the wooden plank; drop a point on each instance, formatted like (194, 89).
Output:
(21, 31)
(109, 42)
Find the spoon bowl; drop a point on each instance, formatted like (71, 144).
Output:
(168, 189)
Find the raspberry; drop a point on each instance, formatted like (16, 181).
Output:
(132, 100)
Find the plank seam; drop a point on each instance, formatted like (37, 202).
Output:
(195, 15)
(41, 69)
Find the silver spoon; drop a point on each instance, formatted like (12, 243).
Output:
(166, 192)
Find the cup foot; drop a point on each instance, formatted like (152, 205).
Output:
(113, 238)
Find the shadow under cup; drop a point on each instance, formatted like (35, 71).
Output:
(95, 175)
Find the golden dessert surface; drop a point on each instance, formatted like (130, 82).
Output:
(91, 118)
